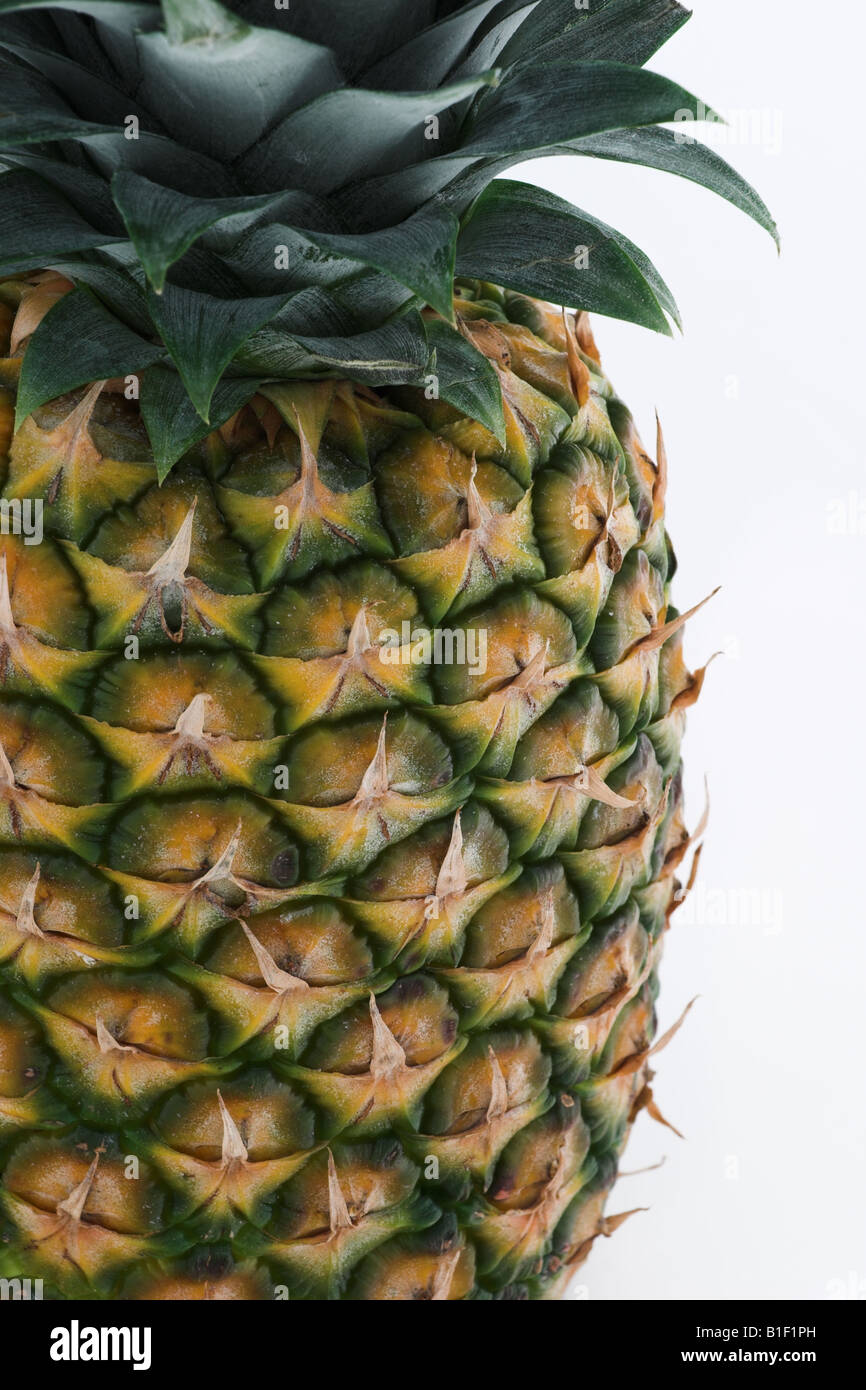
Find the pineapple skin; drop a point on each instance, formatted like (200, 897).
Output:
(298, 1000)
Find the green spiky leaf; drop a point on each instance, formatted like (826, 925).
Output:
(163, 223)
(419, 253)
(263, 189)
(172, 423)
(37, 224)
(393, 354)
(427, 58)
(203, 334)
(619, 31)
(532, 241)
(201, 67)
(78, 342)
(358, 33)
(668, 150)
(537, 107)
(465, 378)
(373, 126)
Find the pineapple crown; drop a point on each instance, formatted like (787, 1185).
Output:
(247, 192)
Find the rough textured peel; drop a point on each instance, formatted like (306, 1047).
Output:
(328, 969)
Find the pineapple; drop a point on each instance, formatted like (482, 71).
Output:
(341, 692)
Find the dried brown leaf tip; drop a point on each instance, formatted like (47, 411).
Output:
(660, 485)
(674, 1028)
(488, 339)
(676, 855)
(609, 1224)
(268, 416)
(632, 1064)
(692, 692)
(648, 1104)
(578, 371)
(664, 631)
(585, 337)
(638, 1172)
(41, 295)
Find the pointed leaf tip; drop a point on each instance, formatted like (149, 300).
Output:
(203, 334)
(78, 342)
(173, 425)
(466, 378)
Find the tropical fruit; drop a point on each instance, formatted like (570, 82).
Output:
(341, 692)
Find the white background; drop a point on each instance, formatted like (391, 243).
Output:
(762, 403)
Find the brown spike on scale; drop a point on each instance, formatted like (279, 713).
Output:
(533, 671)
(172, 565)
(234, 1150)
(9, 640)
(606, 1227)
(679, 852)
(222, 867)
(682, 893)
(444, 1276)
(478, 514)
(664, 631)
(189, 740)
(190, 722)
(636, 1172)
(359, 640)
(7, 772)
(70, 441)
(10, 792)
(276, 979)
(375, 783)
(7, 621)
(588, 781)
(107, 1042)
(693, 690)
(388, 1058)
(25, 920)
(498, 1089)
(671, 1033)
(309, 463)
(609, 1224)
(629, 1065)
(645, 1101)
(546, 929)
(452, 877)
(701, 827)
(72, 1207)
(338, 1211)
(606, 543)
